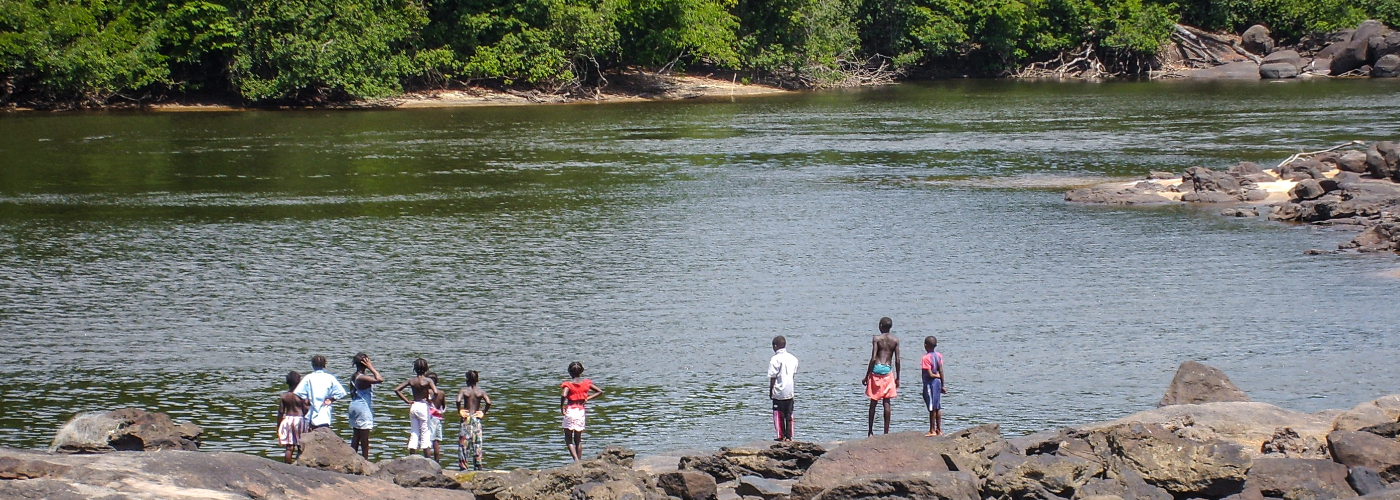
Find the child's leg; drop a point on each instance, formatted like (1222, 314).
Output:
(462, 446)
(886, 401)
(777, 421)
(938, 419)
(288, 457)
(870, 427)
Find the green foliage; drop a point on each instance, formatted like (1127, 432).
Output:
(87, 51)
(316, 48)
(551, 42)
(661, 32)
(796, 36)
(1287, 19)
(1140, 28)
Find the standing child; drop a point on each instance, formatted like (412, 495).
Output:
(472, 405)
(931, 369)
(882, 373)
(576, 391)
(781, 368)
(438, 404)
(419, 433)
(291, 417)
(362, 403)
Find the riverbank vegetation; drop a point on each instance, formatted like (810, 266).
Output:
(56, 53)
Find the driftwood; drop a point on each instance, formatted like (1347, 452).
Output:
(1082, 62)
(1305, 154)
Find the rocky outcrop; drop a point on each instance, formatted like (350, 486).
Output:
(1299, 479)
(921, 485)
(323, 449)
(1136, 195)
(187, 474)
(784, 460)
(415, 471)
(1380, 411)
(1256, 39)
(126, 429)
(1363, 449)
(1249, 425)
(1197, 383)
(970, 450)
(594, 479)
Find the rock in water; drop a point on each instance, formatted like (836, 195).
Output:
(1363, 449)
(1277, 71)
(1197, 383)
(1256, 39)
(323, 449)
(1353, 55)
(688, 485)
(923, 485)
(1299, 479)
(127, 429)
(1387, 66)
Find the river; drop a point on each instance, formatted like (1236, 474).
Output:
(184, 262)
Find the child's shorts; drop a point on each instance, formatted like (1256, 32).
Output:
(933, 392)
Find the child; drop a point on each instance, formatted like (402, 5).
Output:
(437, 404)
(362, 403)
(781, 368)
(882, 373)
(419, 433)
(472, 405)
(576, 391)
(931, 367)
(291, 417)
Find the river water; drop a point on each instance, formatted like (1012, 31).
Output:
(183, 262)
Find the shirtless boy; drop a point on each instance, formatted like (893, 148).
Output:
(882, 373)
(419, 433)
(291, 417)
(472, 405)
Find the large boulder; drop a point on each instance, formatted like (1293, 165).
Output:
(415, 471)
(1299, 479)
(1365, 481)
(716, 467)
(187, 474)
(785, 460)
(1248, 424)
(1368, 29)
(1307, 189)
(1196, 383)
(1278, 71)
(688, 485)
(969, 450)
(1352, 161)
(1351, 55)
(1284, 56)
(911, 485)
(1387, 66)
(1120, 483)
(1363, 449)
(1040, 476)
(1256, 39)
(1384, 410)
(1384, 45)
(1184, 467)
(595, 479)
(768, 489)
(126, 429)
(323, 449)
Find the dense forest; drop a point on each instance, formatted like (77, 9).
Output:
(95, 52)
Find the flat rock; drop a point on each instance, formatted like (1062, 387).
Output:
(1278, 70)
(1015, 476)
(912, 485)
(1363, 449)
(969, 450)
(1379, 411)
(1196, 383)
(755, 486)
(1110, 195)
(1249, 424)
(1241, 70)
(1299, 479)
(415, 471)
(189, 474)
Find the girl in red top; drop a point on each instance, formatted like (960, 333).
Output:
(576, 391)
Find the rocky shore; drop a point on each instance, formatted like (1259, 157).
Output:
(1371, 49)
(1206, 440)
(1353, 186)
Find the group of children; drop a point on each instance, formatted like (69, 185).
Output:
(881, 381)
(306, 404)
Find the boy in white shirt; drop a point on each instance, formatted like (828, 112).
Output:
(780, 370)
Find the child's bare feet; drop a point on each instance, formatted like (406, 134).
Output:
(930, 434)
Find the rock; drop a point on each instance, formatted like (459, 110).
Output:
(1115, 196)
(1240, 212)
(1319, 66)
(1196, 383)
(1209, 197)
(1306, 190)
(1389, 430)
(1159, 175)
(1256, 39)
(780, 461)
(1384, 45)
(1368, 29)
(1124, 484)
(323, 449)
(1290, 444)
(487, 484)
(1239, 70)
(969, 450)
(688, 485)
(1256, 195)
(1278, 71)
(126, 429)
(1365, 481)
(1299, 479)
(1378, 411)
(595, 479)
(754, 486)
(607, 490)
(415, 471)
(913, 485)
(617, 455)
(1245, 168)
(1204, 179)
(716, 467)
(1183, 467)
(1346, 180)
(1040, 476)
(1353, 55)
(1378, 238)
(1387, 66)
(1249, 425)
(188, 474)
(1352, 161)
(1363, 449)
(1386, 494)
(1284, 56)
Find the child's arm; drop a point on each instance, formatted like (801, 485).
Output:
(461, 398)
(874, 348)
(563, 399)
(398, 390)
(281, 408)
(944, 386)
(485, 403)
(593, 392)
(896, 366)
